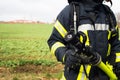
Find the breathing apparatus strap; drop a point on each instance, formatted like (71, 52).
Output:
(74, 17)
(74, 21)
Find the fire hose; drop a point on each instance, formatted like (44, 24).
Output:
(109, 72)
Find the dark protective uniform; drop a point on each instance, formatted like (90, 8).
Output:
(99, 36)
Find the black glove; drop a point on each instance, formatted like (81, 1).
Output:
(94, 57)
(71, 59)
(116, 69)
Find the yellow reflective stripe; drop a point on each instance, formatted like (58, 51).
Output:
(82, 75)
(63, 77)
(109, 34)
(115, 33)
(116, 27)
(60, 29)
(55, 46)
(109, 49)
(87, 41)
(117, 57)
(88, 71)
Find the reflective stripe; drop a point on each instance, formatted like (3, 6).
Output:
(101, 27)
(116, 33)
(84, 27)
(55, 46)
(88, 71)
(87, 41)
(82, 75)
(109, 34)
(60, 29)
(117, 57)
(63, 77)
(109, 49)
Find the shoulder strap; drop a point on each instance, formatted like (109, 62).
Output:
(74, 17)
(74, 21)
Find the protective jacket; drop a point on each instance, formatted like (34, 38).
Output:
(100, 36)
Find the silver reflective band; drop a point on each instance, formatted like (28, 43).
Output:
(101, 27)
(85, 27)
(91, 27)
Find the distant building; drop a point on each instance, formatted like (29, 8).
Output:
(23, 21)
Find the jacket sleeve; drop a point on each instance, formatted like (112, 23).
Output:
(56, 41)
(115, 45)
(115, 42)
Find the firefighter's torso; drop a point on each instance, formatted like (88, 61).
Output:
(94, 22)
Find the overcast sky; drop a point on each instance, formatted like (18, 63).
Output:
(42, 10)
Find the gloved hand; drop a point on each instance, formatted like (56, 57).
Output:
(71, 59)
(116, 69)
(94, 57)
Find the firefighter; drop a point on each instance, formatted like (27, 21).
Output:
(92, 37)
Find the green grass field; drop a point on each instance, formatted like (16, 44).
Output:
(22, 45)
(17, 41)
(25, 31)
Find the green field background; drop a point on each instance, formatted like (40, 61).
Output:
(22, 44)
